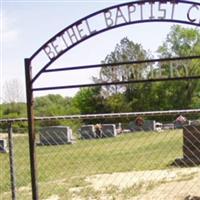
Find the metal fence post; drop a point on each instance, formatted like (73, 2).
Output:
(31, 130)
(12, 165)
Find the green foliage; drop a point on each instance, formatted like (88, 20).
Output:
(54, 105)
(180, 41)
(117, 103)
(50, 105)
(153, 96)
(90, 100)
(11, 111)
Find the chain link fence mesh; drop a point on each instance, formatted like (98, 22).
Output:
(21, 166)
(107, 160)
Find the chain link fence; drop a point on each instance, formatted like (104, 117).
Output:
(105, 159)
(15, 168)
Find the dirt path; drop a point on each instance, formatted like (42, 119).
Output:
(173, 190)
(171, 184)
(174, 184)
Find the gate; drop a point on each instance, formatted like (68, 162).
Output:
(110, 18)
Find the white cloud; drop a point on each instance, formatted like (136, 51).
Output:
(10, 35)
(8, 30)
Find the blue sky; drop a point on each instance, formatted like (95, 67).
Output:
(26, 25)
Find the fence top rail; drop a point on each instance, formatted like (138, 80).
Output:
(106, 115)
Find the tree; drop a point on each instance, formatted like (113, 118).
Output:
(90, 101)
(13, 91)
(182, 42)
(126, 50)
(153, 96)
(117, 103)
(55, 105)
(13, 106)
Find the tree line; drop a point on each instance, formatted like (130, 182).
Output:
(167, 95)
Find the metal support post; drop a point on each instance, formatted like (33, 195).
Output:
(31, 131)
(12, 164)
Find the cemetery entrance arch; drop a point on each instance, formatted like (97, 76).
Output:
(135, 12)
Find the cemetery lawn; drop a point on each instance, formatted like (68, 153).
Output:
(70, 164)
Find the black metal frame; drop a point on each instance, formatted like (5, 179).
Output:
(30, 79)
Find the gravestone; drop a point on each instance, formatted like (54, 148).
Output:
(56, 135)
(105, 130)
(119, 129)
(87, 132)
(168, 126)
(148, 125)
(191, 146)
(109, 130)
(3, 146)
(180, 122)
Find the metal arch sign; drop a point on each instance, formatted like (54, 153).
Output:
(114, 17)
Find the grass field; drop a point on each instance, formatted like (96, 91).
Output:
(65, 166)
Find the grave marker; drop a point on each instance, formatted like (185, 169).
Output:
(3, 146)
(87, 132)
(148, 125)
(109, 130)
(56, 135)
(191, 146)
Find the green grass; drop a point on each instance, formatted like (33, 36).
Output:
(67, 165)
